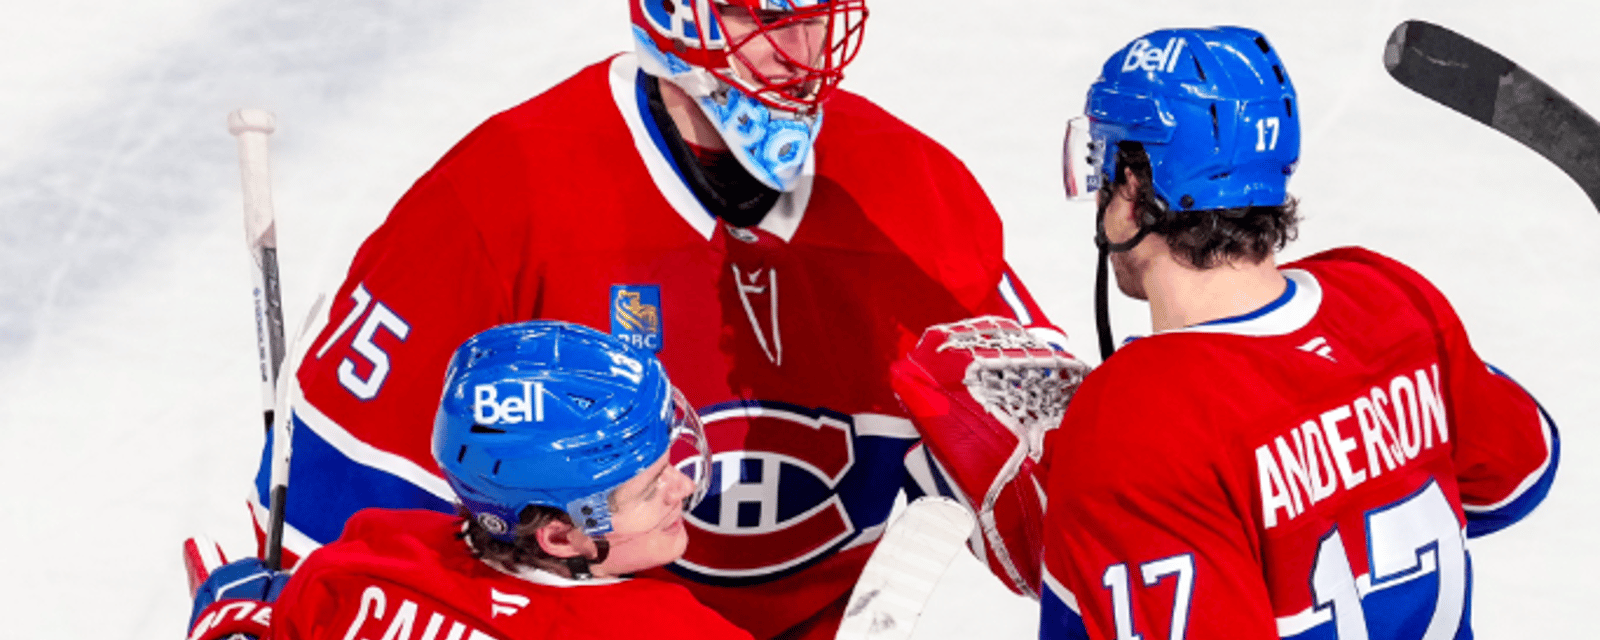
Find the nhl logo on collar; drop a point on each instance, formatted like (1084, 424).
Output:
(636, 315)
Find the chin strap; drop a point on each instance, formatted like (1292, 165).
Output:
(1102, 312)
(1102, 309)
(1104, 242)
(578, 566)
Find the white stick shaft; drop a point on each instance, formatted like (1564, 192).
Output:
(252, 127)
(904, 569)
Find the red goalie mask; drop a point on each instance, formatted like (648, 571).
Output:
(789, 54)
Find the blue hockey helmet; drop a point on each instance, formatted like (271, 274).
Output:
(558, 415)
(1214, 109)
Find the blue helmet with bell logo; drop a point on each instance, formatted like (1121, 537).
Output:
(553, 414)
(1214, 109)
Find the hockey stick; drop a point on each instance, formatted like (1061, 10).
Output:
(251, 127)
(1472, 79)
(902, 572)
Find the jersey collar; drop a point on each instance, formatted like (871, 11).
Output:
(534, 575)
(546, 578)
(1288, 313)
(624, 79)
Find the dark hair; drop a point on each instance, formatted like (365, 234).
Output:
(1208, 237)
(524, 549)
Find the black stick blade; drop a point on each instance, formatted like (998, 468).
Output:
(1472, 79)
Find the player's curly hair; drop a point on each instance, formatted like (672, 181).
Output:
(1209, 237)
(524, 550)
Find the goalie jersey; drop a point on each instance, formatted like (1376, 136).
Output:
(781, 335)
(1310, 470)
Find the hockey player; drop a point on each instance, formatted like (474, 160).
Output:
(562, 445)
(712, 198)
(1299, 451)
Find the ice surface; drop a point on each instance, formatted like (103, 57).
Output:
(128, 410)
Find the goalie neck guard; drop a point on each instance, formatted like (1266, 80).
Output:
(1214, 109)
(760, 70)
(557, 415)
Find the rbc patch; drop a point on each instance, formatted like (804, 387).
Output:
(636, 315)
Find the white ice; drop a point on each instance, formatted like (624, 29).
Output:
(128, 407)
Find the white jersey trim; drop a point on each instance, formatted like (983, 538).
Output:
(624, 76)
(542, 577)
(294, 541)
(1294, 314)
(886, 426)
(1298, 623)
(1311, 617)
(784, 219)
(1008, 292)
(1533, 478)
(1066, 595)
(363, 453)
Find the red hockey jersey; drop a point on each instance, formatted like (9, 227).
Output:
(404, 575)
(1310, 470)
(781, 335)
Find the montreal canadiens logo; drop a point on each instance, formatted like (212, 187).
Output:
(677, 20)
(772, 507)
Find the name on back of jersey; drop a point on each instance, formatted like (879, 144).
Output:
(395, 617)
(1374, 432)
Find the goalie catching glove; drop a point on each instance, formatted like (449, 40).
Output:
(982, 393)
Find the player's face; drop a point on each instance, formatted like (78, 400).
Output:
(780, 53)
(647, 528)
(1118, 204)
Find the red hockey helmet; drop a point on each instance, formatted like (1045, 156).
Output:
(788, 54)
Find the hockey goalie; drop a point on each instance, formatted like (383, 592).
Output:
(983, 393)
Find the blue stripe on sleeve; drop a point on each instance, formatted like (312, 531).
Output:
(1485, 522)
(326, 487)
(1057, 620)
